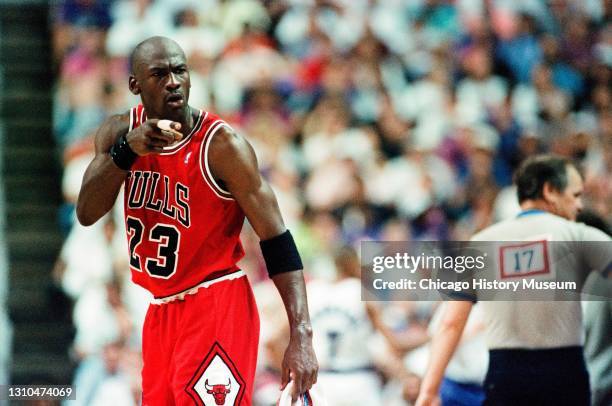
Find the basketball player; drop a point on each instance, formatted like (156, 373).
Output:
(342, 333)
(535, 348)
(189, 183)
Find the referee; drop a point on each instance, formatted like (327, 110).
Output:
(535, 348)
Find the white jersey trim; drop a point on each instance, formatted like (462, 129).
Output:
(181, 296)
(196, 127)
(132, 115)
(205, 167)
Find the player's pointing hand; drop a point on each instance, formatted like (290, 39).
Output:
(153, 135)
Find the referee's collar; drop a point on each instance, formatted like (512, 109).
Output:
(530, 212)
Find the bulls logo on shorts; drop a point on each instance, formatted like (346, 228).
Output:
(217, 381)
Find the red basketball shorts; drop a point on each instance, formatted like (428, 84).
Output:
(202, 350)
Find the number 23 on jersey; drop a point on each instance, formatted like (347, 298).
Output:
(167, 238)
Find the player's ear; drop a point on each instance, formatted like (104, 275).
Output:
(133, 85)
(549, 192)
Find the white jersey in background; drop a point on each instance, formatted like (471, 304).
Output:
(543, 324)
(341, 333)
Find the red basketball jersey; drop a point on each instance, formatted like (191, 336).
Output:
(182, 227)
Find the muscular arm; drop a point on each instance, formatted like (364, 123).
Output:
(103, 178)
(443, 346)
(232, 161)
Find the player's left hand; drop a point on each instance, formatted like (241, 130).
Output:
(299, 365)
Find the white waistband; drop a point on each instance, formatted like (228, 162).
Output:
(191, 291)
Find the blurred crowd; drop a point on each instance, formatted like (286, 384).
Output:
(372, 120)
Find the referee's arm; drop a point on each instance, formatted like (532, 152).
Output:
(443, 346)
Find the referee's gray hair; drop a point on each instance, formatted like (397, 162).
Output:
(538, 170)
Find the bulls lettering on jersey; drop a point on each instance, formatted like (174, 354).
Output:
(182, 226)
(147, 183)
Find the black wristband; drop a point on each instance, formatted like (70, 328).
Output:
(281, 254)
(122, 155)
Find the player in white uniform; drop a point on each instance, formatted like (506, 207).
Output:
(535, 348)
(341, 333)
(598, 330)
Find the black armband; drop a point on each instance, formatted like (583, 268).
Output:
(281, 254)
(122, 155)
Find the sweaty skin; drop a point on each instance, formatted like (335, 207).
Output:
(160, 76)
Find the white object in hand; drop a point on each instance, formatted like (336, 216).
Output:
(313, 397)
(164, 125)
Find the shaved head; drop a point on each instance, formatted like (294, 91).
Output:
(146, 49)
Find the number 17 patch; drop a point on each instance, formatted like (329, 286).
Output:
(524, 259)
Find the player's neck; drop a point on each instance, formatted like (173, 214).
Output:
(188, 121)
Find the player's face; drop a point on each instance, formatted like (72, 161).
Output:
(569, 202)
(164, 84)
